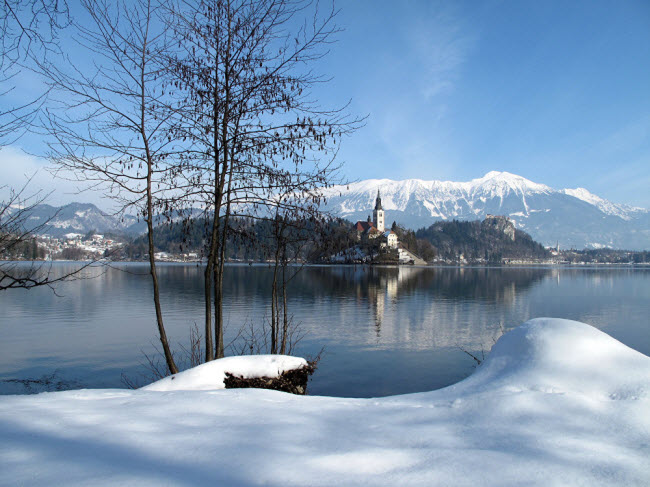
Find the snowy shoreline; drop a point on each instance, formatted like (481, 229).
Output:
(557, 402)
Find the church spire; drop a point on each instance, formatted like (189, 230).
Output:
(378, 214)
(378, 202)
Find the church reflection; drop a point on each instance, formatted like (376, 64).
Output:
(432, 303)
(383, 288)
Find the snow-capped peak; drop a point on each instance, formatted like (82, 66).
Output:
(584, 195)
(505, 179)
(607, 207)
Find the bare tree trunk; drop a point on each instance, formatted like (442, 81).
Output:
(213, 271)
(207, 288)
(218, 300)
(274, 307)
(226, 171)
(113, 106)
(217, 276)
(218, 310)
(217, 266)
(285, 319)
(169, 358)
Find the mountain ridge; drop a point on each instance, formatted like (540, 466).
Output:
(571, 217)
(81, 218)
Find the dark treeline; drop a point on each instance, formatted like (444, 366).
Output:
(255, 240)
(25, 249)
(250, 240)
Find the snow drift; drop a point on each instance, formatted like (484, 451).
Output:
(556, 403)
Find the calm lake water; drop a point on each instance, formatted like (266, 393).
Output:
(384, 330)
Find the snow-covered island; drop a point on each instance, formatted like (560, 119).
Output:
(556, 403)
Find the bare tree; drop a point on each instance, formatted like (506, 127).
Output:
(110, 128)
(245, 84)
(28, 29)
(296, 225)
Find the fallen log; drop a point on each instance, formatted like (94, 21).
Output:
(293, 381)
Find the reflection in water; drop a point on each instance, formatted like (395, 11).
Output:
(415, 307)
(385, 330)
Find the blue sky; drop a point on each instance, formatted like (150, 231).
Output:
(557, 92)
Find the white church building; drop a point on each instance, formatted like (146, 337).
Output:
(376, 228)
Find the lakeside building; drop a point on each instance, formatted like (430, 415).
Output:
(376, 227)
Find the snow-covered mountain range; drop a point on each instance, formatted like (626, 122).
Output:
(85, 217)
(570, 217)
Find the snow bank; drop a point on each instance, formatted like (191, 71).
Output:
(556, 403)
(210, 376)
(562, 356)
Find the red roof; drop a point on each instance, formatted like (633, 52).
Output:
(362, 226)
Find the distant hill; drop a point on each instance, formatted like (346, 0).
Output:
(81, 218)
(490, 240)
(572, 217)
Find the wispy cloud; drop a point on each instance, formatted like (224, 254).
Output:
(441, 41)
(19, 168)
(430, 47)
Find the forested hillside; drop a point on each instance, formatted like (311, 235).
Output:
(491, 240)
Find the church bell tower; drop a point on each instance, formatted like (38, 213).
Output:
(378, 214)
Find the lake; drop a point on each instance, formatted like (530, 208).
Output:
(383, 330)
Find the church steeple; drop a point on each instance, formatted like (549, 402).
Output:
(378, 214)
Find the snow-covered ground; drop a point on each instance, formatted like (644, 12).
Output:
(556, 403)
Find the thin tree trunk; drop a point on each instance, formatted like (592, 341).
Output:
(285, 320)
(171, 365)
(218, 302)
(212, 271)
(217, 274)
(217, 271)
(274, 307)
(218, 313)
(169, 358)
(214, 267)
(207, 295)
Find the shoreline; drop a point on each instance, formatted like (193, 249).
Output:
(511, 265)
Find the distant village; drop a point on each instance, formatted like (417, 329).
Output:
(72, 246)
